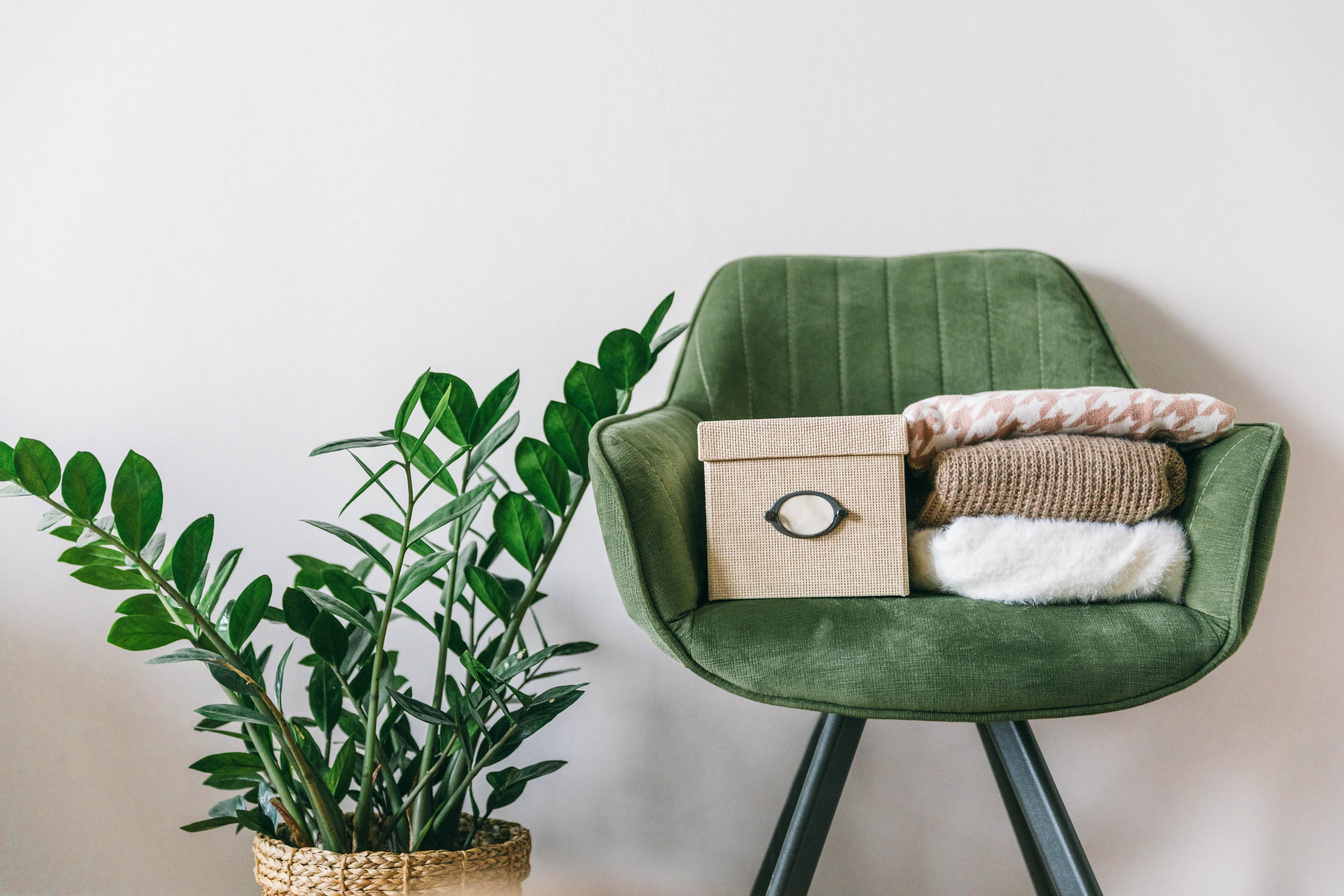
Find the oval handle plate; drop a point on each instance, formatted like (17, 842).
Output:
(806, 514)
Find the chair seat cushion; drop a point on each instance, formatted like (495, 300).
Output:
(946, 657)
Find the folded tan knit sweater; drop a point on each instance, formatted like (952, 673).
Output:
(1094, 478)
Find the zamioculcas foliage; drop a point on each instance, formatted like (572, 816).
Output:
(404, 761)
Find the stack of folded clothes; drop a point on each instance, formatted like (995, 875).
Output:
(1055, 495)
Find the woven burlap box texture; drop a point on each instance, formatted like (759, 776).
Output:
(858, 461)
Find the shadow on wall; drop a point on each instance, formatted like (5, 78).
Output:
(1235, 762)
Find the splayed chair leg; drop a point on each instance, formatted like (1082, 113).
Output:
(1054, 857)
(805, 821)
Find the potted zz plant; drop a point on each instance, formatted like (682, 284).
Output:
(375, 785)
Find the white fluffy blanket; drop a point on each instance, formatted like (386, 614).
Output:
(1016, 560)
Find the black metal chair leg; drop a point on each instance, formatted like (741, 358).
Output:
(1055, 859)
(801, 832)
(786, 814)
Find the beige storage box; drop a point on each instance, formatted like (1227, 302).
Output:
(805, 507)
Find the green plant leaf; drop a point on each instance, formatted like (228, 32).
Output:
(625, 356)
(494, 406)
(208, 824)
(567, 432)
(280, 676)
(368, 483)
(508, 783)
(191, 553)
(650, 328)
(518, 664)
(478, 670)
(7, 471)
(351, 444)
(574, 648)
(68, 533)
(342, 770)
(348, 589)
(490, 592)
(187, 655)
(256, 820)
(455, 508)
(590, 391)
(324, 698)
(229, 712)
(310, 570)
(143, 605)
(456, 424)
(84, 486)
(422, 711)
(248, 610)
(339, 608)
(111, 578)
(666, 337)
(489, 445)
(233, 781)
(216, 763)
(408, 404)
(137, 501)
(222, 576)
(227, 808)
(420, 572)
(414, 615)
(546, 707)
(299, 611)
(91, 555)
(329, 639)
(429, 465)
(36, 467)
(544, 474)
(228, 678)
(391, 529)
(144, 633)
(518, 525)
(155, 548)
(354, 541)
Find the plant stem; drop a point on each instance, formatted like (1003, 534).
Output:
(364, 807)
(419, 789)
(441, 670)
(525, 603)
(530, 595)
(329, 817)
(461, 790)
(390, 781)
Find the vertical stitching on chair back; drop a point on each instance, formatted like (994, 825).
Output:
(700, 362)
(989, 316)
(746, 359)
(788, 337)
(840, 338)
(938, 306)
(1040, 326)
(891, 326)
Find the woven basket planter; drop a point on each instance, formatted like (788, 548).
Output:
(500, 866)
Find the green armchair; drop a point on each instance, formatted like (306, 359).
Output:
(810, 336)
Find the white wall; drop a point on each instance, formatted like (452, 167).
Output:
(230, 231)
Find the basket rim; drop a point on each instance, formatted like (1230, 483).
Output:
(519, 837)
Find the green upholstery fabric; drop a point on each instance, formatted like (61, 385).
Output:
(815, 336)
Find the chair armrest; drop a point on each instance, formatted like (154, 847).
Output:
(1233, 495)
(649, 485)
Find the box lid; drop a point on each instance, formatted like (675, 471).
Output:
(801, 437)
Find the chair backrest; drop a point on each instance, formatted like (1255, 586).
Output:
(812, 336)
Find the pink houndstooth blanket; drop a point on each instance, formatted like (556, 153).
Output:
(946, 421)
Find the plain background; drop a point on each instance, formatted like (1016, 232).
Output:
(231, 231)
